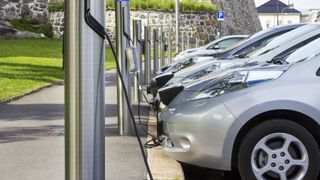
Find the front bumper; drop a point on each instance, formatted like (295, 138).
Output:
(195, 134)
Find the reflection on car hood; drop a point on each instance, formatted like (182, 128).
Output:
(257, 66)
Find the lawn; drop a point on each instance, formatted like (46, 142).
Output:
(28, 64)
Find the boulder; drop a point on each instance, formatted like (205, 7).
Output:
(241, 17)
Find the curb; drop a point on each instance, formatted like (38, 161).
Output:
(31, 92)
(162, 166)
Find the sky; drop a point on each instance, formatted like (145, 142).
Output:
(298, 4)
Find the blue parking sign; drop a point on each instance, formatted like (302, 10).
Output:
(220, 16)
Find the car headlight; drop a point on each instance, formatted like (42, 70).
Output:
(233, 82)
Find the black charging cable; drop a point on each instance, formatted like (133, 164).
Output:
(100, 30)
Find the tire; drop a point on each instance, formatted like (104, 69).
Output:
(254, 158)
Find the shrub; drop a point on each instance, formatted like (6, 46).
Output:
(166, 5)
(56, 6)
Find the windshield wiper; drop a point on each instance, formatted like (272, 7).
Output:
(279, 60)
(241, 56)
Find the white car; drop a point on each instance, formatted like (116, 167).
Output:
(275, 50)
(215, 46)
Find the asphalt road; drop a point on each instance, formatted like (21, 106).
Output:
(196, 173)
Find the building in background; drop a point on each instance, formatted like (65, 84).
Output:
(275, 12)
(309, 15)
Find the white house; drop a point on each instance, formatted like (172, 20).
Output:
(275, 12)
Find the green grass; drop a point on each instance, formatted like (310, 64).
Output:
(28, 64)
(163, 5)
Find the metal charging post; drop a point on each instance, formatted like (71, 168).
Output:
(84, 92)
(155, 50)
(147, 54)
(169, 46)
(137, 41)
(163, 44)
(122, 42)
(177, 9)
(182, 42)
(197, 42)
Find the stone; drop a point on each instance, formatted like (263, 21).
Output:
(237, 15)
(13, 1)
(2, 14)
(27, 1)
(26, 11)
(43, 6)
(19, 5)
(2, 3)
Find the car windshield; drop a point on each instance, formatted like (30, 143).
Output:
(306, 52)
(234, 45)
(285, 38)
(246, 40)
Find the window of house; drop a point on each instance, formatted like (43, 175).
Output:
(268, 24)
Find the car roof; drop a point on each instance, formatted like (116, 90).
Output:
(260, 35)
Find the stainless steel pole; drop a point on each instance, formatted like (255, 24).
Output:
(155, 50)
(177, 26)
(137, 40)
(182, 42)
(163, 44)
(147, 55)
(169, 46)
(84, 93)
(188, 40)
(197, 42)
(122, 28)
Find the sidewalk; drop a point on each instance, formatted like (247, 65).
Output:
(32, 138)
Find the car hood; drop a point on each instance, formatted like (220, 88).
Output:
(256, 65)
(191, 88)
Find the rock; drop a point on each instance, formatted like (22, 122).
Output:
(26, 11)
(6, 32)
(2, 14)
(238, 14)
(3, 3)
(27, 1)
(14, 1)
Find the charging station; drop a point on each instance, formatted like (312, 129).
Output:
(155, 50)
(137, 42)
(84, 91)
(123, 42)
(147, 54)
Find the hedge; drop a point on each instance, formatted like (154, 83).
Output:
(161, 5)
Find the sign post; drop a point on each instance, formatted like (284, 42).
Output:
(220, 18)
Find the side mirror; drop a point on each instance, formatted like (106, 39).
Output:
(216, 47)
(132, 57)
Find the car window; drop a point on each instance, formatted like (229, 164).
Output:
(259, 44)
(225, 43)
(287, 37)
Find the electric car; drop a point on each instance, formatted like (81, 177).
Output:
(213, 47)
(263, 121)
(281, 46)
(256, 41)
(244, 47)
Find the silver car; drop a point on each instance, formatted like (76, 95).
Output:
(213, 47)
(263, 121)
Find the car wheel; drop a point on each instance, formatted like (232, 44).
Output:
(278, 149)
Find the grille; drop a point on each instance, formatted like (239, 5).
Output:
(31, 131)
